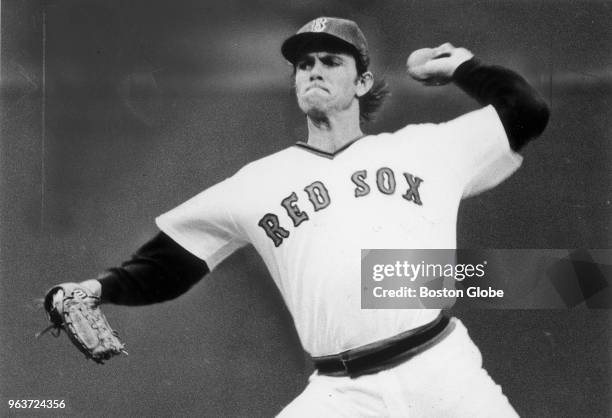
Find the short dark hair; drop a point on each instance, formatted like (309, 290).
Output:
(369, 103)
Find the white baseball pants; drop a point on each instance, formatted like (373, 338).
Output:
(446, 380)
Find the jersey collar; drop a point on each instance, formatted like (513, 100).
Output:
(326, 154)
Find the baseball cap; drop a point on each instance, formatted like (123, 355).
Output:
(327, 32)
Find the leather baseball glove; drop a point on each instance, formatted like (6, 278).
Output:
(75, 308)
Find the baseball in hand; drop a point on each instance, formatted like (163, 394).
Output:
(416, 62)
(420, 57)
(435, 66)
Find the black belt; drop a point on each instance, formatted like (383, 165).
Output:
(384, 354)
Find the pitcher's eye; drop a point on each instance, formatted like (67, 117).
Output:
(304, 63)
(331, 61)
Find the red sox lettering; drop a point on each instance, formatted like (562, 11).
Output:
(320, 199)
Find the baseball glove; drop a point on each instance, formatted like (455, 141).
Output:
(76, 310)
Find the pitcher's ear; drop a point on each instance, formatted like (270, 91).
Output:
(364, 83)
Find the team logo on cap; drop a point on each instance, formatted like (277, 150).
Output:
(319, 24)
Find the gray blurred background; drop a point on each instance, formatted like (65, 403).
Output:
(114, 112)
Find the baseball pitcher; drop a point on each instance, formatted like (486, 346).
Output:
(310, 208)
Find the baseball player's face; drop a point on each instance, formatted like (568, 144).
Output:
(325, 82)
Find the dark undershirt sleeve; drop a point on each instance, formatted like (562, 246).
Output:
(160, 270)
(522, 111)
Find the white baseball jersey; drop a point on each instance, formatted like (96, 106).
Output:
(309, 214)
